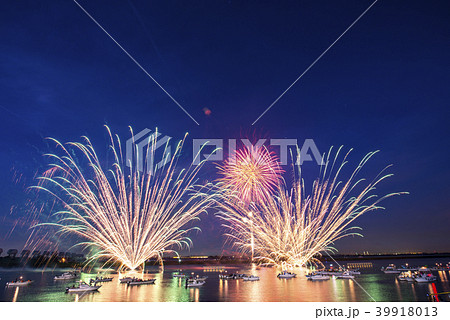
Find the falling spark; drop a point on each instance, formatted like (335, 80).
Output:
(126, 215)
(292, 228)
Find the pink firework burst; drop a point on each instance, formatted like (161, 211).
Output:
(253, 173)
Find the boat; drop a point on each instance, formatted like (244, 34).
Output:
(18, 283)
(424, 277)
(438, 267)
(82, 287)
(424, 269)
(404, 276)
(286, 275)
(66, 276)
(346, 275)
(141, 282)
(232, 276)
(179, 275)
(390, 269)
(407, 268)
(314, 277)
(407, 276)
(190, 279)
(195, 283)
(101, 279)
(126, 279)
(354, 271)
(251, 278)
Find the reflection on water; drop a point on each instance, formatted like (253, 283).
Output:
(16, 293)
(372, 283)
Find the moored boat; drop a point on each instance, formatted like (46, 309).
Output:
(406, 267)
(179, 275)
(390, 269)
(101, 279)
(286, 275)
(82, 287)
(126, 279)
(424, 277)
(195, 283)
(251, 278)
(19, 283)
(66, 276)
(314, 277)
(354, 271)
(137, 282)
(346, 275)
(232, 276)
(405, 275)
(190, 279)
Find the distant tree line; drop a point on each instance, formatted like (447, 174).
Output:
(37, 258)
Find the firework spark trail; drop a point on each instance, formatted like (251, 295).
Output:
(127, 215)
(291, 228)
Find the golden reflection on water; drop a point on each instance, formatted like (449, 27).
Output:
(16, 293)
(194, 294)
(413, 285)
(442, 276)
(397, 287)
(351, 286)
(334, 286)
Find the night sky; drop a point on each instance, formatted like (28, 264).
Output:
(384, 86)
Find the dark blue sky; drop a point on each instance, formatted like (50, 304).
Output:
(383, 86)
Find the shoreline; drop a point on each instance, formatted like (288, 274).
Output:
(13, 263)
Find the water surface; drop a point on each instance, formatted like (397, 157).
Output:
(371, 284)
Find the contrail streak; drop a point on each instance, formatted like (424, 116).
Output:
(314, 62)
(137, 63)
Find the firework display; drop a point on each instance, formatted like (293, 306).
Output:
(293, 226)
(253, 172)
(125, 214)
